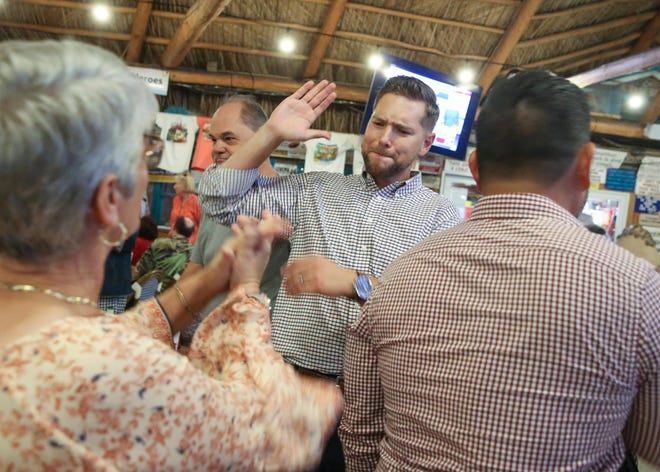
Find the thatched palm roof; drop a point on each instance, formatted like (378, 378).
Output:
(223, 44)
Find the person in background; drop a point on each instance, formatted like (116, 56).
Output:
(516, 340)
(118, 277)
(83, 391)
(234, 122)
(147, 233)
(346, 229)
(168, 254)
(185, 203)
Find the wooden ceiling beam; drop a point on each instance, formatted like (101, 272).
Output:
(508, 42)
(257, 83)
(583, 52)
(408, 46)
(426, 19)
(199, 16)
(648, 36)
(139, 30)
(76, 5)
(634, 63)
(241, 21)
(335, 12)
(597, 57)
(67, 31)
(652, 112)
(628, 130)
(578, 9)
(628, 20)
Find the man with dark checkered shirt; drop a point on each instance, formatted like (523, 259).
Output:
(517, 340)
(346, 229)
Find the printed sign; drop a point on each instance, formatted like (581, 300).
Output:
(157, 80)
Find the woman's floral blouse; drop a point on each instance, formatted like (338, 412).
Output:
(109, 393)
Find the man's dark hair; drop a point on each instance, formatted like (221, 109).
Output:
(413, 89)
(252, 114)
(182, 226)
(531, 126)
(148, 228)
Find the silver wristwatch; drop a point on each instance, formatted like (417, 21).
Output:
(362, 287)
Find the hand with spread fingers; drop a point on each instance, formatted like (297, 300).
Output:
(292, 118)
(316, 274)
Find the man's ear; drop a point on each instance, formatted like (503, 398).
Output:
(474, 168)
(105, 202)
(583, 165)
(428, 141)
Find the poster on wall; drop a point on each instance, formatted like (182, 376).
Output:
(604, 159)
(647, 186)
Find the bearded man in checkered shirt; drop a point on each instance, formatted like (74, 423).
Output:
(517, 340)
(346, 229)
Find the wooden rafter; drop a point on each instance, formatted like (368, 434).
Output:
(407, 46)
(648, 36)
(509, 40)
(200, 15)
(584, 52)
(629, 130)
(652, 112)
(633, 63)
(628, 20)
(612, 53)
(67, 31)
(335, 13)
(139, 30)
(578, 9)
(426, 19)
(252, 82)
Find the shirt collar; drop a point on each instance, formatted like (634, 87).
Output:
(522, 206)
(404, 187)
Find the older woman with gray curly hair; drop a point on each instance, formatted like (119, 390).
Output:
(80, 390)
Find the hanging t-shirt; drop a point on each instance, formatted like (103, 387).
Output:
(330, 155)
(202, 157)
(178, 133)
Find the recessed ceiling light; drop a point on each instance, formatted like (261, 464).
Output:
(287, 44)
(635, 101)
(101, 12)
(375, 61)
(465, 76)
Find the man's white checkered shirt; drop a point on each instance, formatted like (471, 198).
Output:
(346, 219)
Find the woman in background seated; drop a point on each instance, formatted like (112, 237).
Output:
(84, 391)
(185, 203)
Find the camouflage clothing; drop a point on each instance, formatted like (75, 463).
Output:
(167, 254)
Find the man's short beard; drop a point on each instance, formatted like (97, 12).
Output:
(391, 171)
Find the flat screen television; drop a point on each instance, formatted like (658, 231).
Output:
(457, 104)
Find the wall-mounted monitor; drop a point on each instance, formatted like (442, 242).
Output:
(457, 104)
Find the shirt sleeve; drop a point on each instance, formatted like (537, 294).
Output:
(643, 428)
(361, 428)
(226, 193)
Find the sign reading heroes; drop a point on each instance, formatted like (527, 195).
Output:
(157, 80)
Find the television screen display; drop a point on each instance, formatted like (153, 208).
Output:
(457, 104)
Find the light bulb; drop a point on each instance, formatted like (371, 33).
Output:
(375, 61)
(465, 76)
(101, 12)
(635, 101)
(287, 44)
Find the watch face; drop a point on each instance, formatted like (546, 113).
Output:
(362, 287)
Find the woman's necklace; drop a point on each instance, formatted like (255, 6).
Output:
(52, 293)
